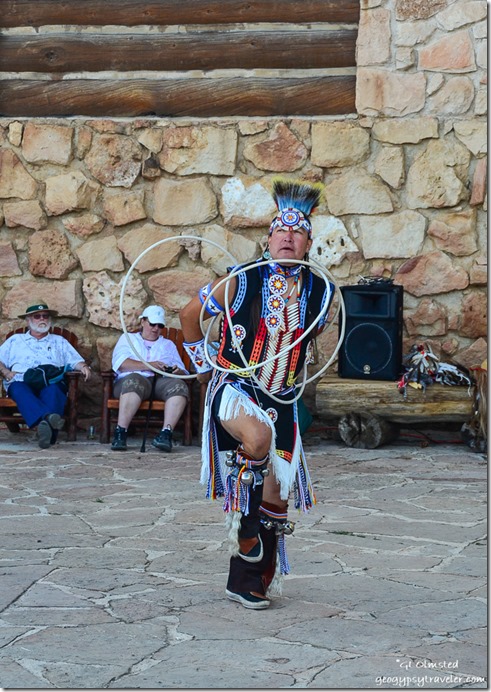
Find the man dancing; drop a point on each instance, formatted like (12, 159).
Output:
(250, 423)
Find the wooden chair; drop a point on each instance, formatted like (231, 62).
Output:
(9, 413)
(110, 405)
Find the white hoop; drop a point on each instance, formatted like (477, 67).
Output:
(123, 288)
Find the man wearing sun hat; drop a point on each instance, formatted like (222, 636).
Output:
(133, 382)
(37, 346)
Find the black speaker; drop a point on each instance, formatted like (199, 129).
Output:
(372, 344)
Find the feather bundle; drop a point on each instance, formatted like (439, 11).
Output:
(294, 194)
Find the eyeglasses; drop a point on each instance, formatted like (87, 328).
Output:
(155, 324)
(41, 316)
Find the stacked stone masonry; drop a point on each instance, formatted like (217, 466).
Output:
(405, 192)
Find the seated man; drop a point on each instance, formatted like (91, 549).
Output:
(34, 347)
(134, 379)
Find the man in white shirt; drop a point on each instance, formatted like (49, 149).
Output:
(38, 346)
(133, 382)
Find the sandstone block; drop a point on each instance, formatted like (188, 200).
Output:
(382, 92)
(473, 133)
(407, 131)
(339, 144)
(68, 192)
(9, 264)
(174, 288)
(206, 149)
(451, 53)
(389, 165)
(252, 128)
(455, 97)
(474, 315)
(84, 225)
(50, 255)
(151, 138)
(238, 245)
(482, 54)
(183, 202)
(123, 208)
(136, 241)
(395, 235)
(83, 141)
(114, 160)
(461, 13)
(331, 241)
(46, 143)
(418, 9)
(434, 82)
(281, 150)
(435, 179)
(374, 34)
(246, 204)
(474, 355)
(429, 319)
(357, 192)
(478, 274)
(405, 58)
(478, 192)
(411, 33)
(96, 255)
(15, 181)
(455, 232)
(63, 296)
(15, 133)
(28, 214)
(102, 296)
(431, 273)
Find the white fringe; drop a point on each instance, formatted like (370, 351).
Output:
(232, 404)
(276, 586)
(232, 524)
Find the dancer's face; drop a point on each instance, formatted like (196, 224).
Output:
(289, 245)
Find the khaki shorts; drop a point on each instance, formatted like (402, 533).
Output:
(165, 387)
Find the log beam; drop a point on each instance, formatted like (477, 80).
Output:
(210, 50)
(37, 13)
(331, 95)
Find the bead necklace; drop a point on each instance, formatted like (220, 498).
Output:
(276, 303)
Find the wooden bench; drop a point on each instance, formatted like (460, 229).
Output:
(110, 405)
(368, 409)
(9, 413)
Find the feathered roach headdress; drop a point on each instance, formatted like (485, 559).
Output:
(295, 201)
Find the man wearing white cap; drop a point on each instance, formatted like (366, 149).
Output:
(133, 382)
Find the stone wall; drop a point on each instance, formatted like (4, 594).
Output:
(405, 195)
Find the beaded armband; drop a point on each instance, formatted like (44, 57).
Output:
(212, 307)
(196, 352)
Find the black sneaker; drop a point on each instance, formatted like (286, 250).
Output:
(163, 441)
(55, 420)
(119, 439)
(44, 434)
(248, 600)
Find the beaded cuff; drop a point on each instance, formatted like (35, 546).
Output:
(196, 352)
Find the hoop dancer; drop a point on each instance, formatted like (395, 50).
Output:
(252, 453)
